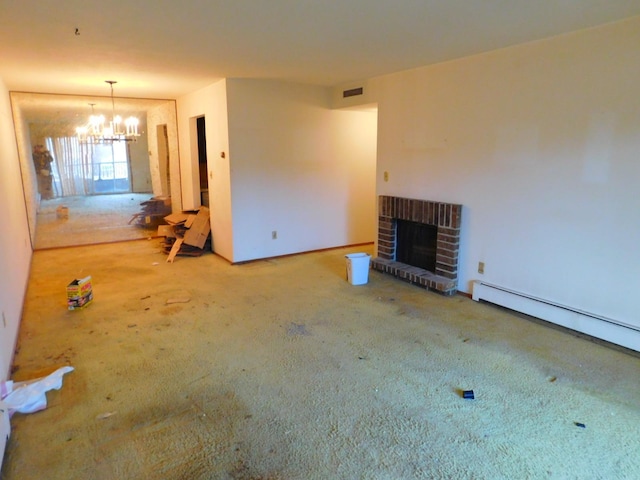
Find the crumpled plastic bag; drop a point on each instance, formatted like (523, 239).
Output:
(30, 396)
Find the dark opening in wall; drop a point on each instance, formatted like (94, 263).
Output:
(202, 152)
(417, 244)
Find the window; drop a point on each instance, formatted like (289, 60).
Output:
(111, 168)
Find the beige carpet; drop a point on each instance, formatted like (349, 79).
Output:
(281, 369)
(91, 220)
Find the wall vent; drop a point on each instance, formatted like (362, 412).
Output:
(353, 92)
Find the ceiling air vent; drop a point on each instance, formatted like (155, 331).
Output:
(352, 92)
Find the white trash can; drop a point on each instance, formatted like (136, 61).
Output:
(358, 268)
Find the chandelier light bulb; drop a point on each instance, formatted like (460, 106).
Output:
(82, 132)
(132, 126)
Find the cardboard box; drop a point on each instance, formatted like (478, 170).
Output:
(62, 212)
(79, 293)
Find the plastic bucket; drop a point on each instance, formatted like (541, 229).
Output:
(358, 268)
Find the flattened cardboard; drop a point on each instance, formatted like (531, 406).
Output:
(174, 250)
(176, 218)
(189, 221)
(197, 235)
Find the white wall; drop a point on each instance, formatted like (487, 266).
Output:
(15, 249)
(210, 102)
(15, 244)
(219, 172)
(540, 144)
(298, 168)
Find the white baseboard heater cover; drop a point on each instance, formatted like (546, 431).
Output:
(595, 325)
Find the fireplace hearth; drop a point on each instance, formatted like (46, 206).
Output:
(441, 274)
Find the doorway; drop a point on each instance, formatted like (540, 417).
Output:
(202, 161)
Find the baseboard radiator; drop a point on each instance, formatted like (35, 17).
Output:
(594, 325)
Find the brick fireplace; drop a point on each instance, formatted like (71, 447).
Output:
(445, 216)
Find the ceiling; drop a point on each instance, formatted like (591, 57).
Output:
(167, 48)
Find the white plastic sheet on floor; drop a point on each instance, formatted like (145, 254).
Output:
(30, 396)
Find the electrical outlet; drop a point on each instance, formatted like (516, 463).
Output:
(481, 267)
(386, 176)
(274, 235)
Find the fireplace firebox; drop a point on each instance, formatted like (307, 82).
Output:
(417, 244)
(440, 272)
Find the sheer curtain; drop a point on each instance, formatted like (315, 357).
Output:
(73, 163)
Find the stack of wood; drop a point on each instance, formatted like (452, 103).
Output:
(187, 234)
(152, 213)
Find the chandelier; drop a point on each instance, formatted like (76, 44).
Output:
(99, 130)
